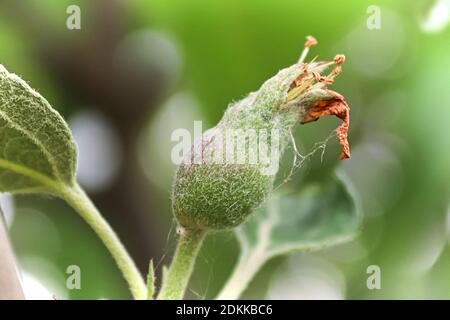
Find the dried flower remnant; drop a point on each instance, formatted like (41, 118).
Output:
(311, 83)
(337, 106)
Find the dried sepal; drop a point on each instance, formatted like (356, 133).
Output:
(335, 105)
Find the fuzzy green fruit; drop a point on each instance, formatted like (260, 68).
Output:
(219, 184)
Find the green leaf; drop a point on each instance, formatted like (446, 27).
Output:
(317, 216)
(37, 151)
(38, 154)
(151, 281)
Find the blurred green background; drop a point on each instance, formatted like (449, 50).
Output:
(138, 69)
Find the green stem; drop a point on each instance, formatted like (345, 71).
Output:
(78, 200)
(177, 277)
(243, 273)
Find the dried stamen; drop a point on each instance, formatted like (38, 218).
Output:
(310, 41)
(339, 59)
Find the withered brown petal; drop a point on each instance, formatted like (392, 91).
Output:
(337, 106)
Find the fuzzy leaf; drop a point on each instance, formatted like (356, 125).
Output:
(311, 219)
(37, 151)
(317, 216)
